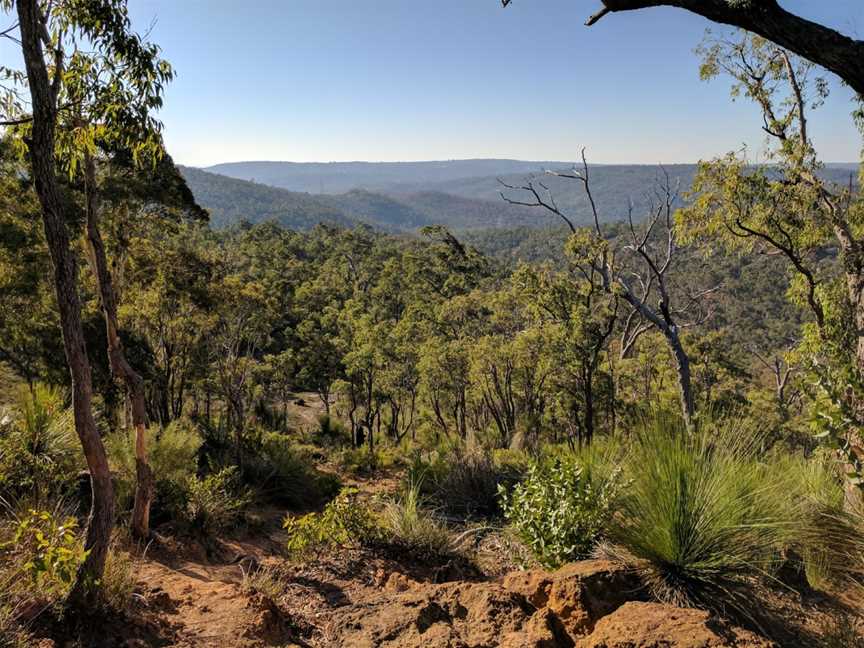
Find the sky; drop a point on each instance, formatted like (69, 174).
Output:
(395, 80)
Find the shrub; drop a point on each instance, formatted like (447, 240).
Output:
(561, 508)
(216, 502)
(44, 549)
(118, 580)
(465, 481)
(173, 456)
(343, 522)
(284, 472)
(331, 433)
(39, 451)
(702, 516)
(408, 525)
(269, 580)
(363, 462)
(12, 635)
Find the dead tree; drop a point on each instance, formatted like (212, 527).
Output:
(649, 254)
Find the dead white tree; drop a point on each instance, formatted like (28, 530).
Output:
(639, 270)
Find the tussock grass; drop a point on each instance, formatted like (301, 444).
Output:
(409, 524)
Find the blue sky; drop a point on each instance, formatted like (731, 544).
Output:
(321, 80)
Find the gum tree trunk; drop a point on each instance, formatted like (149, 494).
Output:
(41, 149)
(121, 370)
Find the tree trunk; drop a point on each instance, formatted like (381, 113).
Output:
(41, 148)
(120, 367)
(682, 368)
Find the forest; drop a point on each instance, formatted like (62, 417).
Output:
(237, 415)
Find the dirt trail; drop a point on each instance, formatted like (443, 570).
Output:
(197, 603)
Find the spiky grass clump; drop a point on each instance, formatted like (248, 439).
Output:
(702, 518)
(39, 451)
(408, 524)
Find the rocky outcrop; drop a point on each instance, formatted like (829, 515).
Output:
(653, 625)
(452, 614)
(590, 604)
(579, 594)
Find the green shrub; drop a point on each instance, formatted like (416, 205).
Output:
(702, 516)
(284, 472)
(343, 522)
(216, 502)
(173, 456)
(12, 635)
(43, 548)
(561, 508)
(407, 524)
(363, 462)
(331, 433)
(39, 451)
(465, 481)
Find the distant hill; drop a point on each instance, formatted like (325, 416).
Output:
(230, 200)
(380, 194)
(340, 177)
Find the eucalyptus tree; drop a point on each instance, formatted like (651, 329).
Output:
(582, 317)
(638, 269)
(786, 208)
(63, 45)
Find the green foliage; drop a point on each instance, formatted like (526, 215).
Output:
(364, 462)
(562, 507)
(343, 522)
(39, 453)
(215, 503)
(173, 455)
(702, 515)
(407, 524)
(466, 481)
(284, 472)
(46, 550)
(331, 432)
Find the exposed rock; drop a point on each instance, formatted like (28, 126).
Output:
(653, 625)
(269, 622)
(578, 594)
(397, 582)
(452, 614)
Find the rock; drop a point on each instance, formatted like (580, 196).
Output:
(269, 622)
(654, 625)
(579, 593)
(534, 585)
(397, 582)
(451, 614)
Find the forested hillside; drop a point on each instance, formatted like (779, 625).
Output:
(458, 202)
(341, 177)
(229, 201)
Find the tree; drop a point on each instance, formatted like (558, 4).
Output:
(44, 78)
(583, 318)
(642, 275)
(113, 99)
(786, 208)
(824, 46)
